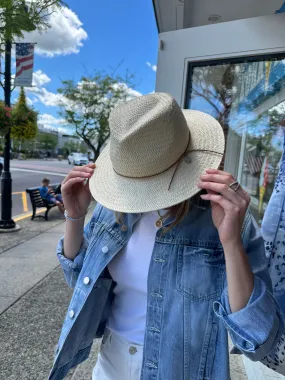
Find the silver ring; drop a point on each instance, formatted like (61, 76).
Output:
(235, 186)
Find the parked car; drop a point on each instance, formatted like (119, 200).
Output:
(77, 159)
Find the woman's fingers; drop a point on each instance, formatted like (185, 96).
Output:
(221, 200)
(77, 174)
(82, 172)
(225, 190)
(86, 169)
(218, 176)
(71, 182)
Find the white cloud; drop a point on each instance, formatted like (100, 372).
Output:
(153, 67)
(40, 78)
(41, 94)
(50, 119)
(65, 36)
(130, 91)
(133, 93)
(30, 102)
(46, 97)
(49, 122)
(51, 99)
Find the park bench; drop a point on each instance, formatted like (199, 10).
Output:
(38, 202)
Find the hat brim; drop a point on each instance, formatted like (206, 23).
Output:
(136, 195)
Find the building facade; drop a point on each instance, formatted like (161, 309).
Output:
(227, 58)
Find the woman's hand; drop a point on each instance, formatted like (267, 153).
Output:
(75, 191)
(228, 206)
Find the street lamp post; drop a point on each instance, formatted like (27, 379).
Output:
(6, 221)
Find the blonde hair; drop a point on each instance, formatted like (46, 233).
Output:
(178, 211)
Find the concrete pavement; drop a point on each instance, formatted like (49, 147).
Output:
(33, 301)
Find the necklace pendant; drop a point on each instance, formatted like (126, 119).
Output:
(158, 223)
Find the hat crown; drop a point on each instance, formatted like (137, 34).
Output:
(148, 135)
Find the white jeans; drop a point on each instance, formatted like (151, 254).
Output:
(118, 359)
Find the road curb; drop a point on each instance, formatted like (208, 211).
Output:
(20, 217)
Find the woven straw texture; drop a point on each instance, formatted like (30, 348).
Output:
(149, 136)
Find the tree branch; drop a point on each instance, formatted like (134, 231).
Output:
(209, 101)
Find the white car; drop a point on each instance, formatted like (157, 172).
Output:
(78, 159)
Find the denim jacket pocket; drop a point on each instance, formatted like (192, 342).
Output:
(200, 272)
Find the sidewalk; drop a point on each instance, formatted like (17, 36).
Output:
(33, 302)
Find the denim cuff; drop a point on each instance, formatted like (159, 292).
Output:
(71, 268)
(253, 329)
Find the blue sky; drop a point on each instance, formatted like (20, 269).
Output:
(93, 36)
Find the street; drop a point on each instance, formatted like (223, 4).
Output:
(30, 173)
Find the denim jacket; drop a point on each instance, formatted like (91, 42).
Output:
(188, 311)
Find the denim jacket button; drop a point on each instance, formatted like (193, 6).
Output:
(71, 314)
(124, 228)
(86, 280)
(105, 249)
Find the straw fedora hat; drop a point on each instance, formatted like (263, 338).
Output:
(156, 155)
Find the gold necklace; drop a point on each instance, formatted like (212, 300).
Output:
(159, 222)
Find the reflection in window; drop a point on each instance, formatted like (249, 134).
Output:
(248, 99)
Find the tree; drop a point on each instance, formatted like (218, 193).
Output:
(17, 16)
(264, 127)
(47, 141)
(24, 120)
(82, 148)
(70, 146)
(216, 87)
(88, 105)
(75, 146)
(5, 119)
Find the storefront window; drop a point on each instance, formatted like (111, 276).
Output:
(247, 97)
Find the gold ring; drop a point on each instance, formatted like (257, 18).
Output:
(236, 184)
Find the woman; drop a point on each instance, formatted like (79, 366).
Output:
(171, 260)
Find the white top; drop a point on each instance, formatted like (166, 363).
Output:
(129, 269)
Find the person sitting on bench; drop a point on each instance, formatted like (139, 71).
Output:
(47, 194)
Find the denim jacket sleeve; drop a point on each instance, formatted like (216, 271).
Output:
(257, 329)
(72, 268)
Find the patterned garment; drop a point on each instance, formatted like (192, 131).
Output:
(273, 231)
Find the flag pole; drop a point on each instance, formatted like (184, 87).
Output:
(6, 221)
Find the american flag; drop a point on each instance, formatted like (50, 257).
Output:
(24, 64)
(253, 162)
